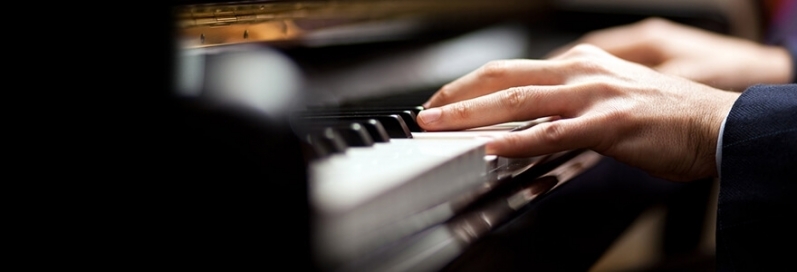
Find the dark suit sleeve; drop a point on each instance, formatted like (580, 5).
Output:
(758, 182)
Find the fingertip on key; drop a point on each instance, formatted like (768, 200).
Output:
(429, 116)
(490, 148)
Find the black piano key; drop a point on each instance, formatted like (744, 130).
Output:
(392, 123)
(409, 114)
(372, 127)
(326, 142)
(416, 109)
(410, 118)
(350, 132)
(377, 131)
(353, 133)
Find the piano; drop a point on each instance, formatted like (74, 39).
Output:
(294, 122)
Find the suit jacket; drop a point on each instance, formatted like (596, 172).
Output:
(758, 182)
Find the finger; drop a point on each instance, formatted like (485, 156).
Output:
(686, 70)
(639, 51)
(495, 76)
(547, 138)
(626, 42)
(698, 74)
(514, 104)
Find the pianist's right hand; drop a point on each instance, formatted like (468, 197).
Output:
(664, 124)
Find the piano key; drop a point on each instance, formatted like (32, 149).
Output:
(393, 124)
(377, 131)
(384, 209)
(365, 189)
(353, 133)
(467, 226)
(372, 126)
(409, 114)
(365, 198)
(414, 109)
(326, 143)
(410, 118)
(532, 123)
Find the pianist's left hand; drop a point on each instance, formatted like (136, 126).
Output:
(722, 61)
(664, 124)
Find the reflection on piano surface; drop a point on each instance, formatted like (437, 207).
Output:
(346, 79)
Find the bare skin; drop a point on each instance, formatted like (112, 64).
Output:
(661, 123)
(720, 61)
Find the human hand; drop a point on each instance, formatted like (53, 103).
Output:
(720, 61)
(661, 123)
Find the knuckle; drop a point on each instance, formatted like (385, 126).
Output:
(618, 115)
(552, 134)
(494, 69)
(602, 87)
(584, 49)
(513, 98)
(650, 30)
(585, 64)
(569, 64)
(460, 111)
(652, 23)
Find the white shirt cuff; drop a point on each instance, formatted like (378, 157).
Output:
(719, 146)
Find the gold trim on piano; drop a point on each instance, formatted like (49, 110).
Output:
(260, 21)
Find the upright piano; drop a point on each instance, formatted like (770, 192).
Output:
(294, 123)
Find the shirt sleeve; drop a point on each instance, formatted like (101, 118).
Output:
(719, 146)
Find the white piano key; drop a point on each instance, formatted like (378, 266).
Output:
(343, 182)
(370, 196)
(365, 191)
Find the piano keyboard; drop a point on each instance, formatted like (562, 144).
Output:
(376, 182)
(369, 190)
(385, 195)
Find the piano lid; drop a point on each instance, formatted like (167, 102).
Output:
(201, 23)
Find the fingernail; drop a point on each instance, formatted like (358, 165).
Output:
(429, 116)
(425, 105)
(489, 149)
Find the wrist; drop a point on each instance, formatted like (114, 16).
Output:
(709, 126)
